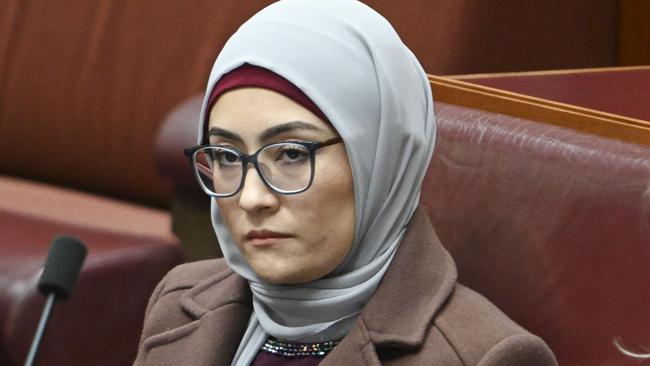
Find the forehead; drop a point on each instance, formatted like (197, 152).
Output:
(250, 111)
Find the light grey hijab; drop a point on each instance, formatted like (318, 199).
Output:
(348, 59)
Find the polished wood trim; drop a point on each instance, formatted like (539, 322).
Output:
(540, 101)
(548, 72)
(462, 93)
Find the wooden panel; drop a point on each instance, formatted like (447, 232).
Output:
(464, 36)
(634, 32)
(537, 109)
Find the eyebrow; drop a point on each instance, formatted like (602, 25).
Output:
(216, 131)
(267, 133)
(286, 127)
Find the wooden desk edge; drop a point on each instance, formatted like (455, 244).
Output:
(609, 125)
(547, 72)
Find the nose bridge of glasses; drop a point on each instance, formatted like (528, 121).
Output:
(257, 182)
(247, 161)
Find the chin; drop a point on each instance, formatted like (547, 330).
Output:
(283, 276)
(276, 280)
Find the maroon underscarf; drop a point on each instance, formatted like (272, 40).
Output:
(269, 359)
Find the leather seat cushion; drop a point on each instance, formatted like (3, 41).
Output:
(129, 249)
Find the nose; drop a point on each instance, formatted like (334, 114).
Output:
(255, 196)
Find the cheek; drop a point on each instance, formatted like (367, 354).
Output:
(334, 214)
(326, 218)
(332, 208)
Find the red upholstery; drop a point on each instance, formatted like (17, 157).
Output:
(178, 131)
(100, 324)
(550, 224)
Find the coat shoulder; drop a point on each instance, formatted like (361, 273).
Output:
(164, 310)
(481, 334)
(188, 275)
(185, 310)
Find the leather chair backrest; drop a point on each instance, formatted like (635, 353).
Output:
(551, 224)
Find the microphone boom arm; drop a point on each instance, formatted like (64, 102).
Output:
(49, 303)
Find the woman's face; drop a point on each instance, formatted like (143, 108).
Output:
(286, 239)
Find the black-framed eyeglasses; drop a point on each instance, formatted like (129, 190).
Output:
(285, 167)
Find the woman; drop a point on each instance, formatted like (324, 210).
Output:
(317, 129)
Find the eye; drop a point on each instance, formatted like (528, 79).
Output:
(225, 157)
(292, 154)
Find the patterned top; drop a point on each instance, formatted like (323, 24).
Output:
(278, 353)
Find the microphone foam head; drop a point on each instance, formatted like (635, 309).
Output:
(62, 266)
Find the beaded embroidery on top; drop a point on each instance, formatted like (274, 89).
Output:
(293, 350)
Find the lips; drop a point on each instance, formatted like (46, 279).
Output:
(265, 237)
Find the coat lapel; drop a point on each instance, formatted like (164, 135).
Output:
(218, 309)
(354, 349)
(417, 284)
(420, 279)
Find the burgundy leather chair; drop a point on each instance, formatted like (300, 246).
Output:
(550, 224)
(129, 249)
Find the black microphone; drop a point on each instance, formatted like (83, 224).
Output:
(57, 281)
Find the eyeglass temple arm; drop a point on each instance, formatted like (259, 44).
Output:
(329, 142)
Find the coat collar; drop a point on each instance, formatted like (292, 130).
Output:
(223, 288)
(220, 301)
(422, 273)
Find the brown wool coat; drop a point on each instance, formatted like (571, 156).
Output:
(419, 315)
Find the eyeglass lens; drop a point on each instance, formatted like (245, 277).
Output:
(285, 166)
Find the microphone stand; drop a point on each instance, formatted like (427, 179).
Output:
(49, 303)
(60, 272)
